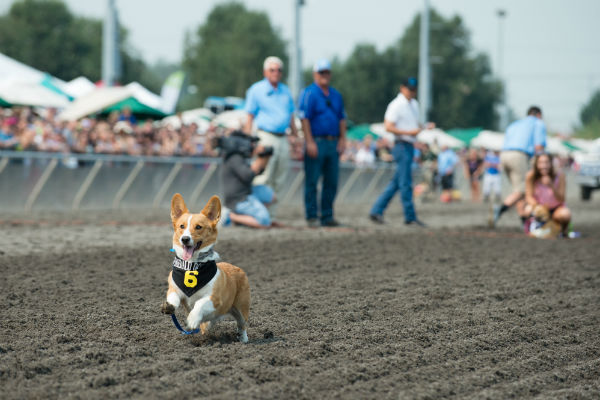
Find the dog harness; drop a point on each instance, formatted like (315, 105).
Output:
(193, 276)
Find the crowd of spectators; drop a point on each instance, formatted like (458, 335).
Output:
(23, 129)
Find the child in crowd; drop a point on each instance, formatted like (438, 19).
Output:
(492, 180)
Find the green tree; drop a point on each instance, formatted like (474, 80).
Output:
(464, 93)
(226, 55)
(368, 81)
(591, 111)
(590, 118)
(46, 35)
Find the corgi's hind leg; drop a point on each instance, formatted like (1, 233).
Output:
(241, 324)
(241, 311)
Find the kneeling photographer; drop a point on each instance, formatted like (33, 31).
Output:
(247, 203)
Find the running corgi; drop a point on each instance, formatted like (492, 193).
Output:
(207, 290)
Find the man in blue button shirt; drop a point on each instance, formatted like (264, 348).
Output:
(270, 106)
(522, 140)
(321, 110)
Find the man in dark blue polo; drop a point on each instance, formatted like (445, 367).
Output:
(321, 110)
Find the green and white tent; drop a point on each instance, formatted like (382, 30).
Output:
(106, 99)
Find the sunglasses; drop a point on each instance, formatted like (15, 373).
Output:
(275, 69)
(325, 72)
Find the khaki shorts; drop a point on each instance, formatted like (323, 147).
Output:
(515, 164)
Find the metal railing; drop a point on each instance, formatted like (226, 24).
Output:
(39, 180)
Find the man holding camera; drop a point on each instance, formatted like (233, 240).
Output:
(246, 202)
(270, 105)
(324, 127)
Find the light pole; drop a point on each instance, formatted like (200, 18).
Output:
(295, 76)
(111, 61)
(503, 123)
(424, 65)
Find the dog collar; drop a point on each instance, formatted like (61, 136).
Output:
(210, 255)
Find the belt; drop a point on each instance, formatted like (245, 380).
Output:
(519, 150)
(326, 137)
(273, 133)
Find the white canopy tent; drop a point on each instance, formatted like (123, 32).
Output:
(79, 87)
(104, 97)
(13, 70)
(31, 94)
(21, 84)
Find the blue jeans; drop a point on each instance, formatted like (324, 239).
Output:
(254, 205)
(327, 164)
(401, 181)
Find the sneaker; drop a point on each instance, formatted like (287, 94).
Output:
(225, 218)
(313, 223)
(496, 214)
(416, 222)
(331, 223)
(378, 219)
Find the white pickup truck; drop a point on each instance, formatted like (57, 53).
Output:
(587, 168)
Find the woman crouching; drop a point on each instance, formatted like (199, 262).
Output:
(545, 186)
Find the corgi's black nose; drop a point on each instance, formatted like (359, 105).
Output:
(185, 240)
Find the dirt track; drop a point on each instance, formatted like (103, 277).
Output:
(453, 311)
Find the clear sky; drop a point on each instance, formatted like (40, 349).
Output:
(551, 48)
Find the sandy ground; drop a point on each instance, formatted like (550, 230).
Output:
(453, 311)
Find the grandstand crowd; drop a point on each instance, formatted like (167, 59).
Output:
(22, 129)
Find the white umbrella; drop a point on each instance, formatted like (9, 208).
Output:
(234, 119)
(379, 130)
(488, 140)
(433, 136)
(555, 146)
(199, 116)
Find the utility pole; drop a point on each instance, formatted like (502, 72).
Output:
(424, 65)
(111, 60)
(503, 123)
(295, 76)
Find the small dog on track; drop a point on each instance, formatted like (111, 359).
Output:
(207, 290)
(543, 226)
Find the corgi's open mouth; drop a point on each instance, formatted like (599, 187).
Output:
(188, 251)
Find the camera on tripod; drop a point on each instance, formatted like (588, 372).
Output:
(240, 143)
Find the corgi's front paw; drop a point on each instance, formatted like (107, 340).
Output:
(167, 308)
(243, 337)
(193, 320)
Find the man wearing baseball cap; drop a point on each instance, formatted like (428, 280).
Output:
(270, 106)
(321, 110)
(402, 119)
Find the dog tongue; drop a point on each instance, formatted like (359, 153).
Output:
(187, 252)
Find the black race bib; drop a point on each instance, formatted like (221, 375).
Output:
(192, 276)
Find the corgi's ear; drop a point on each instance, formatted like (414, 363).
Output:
(212, 210)
(178, 208)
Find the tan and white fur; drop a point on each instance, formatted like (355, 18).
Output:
(228, 293)
(549, 229)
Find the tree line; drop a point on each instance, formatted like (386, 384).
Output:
(224, 56)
